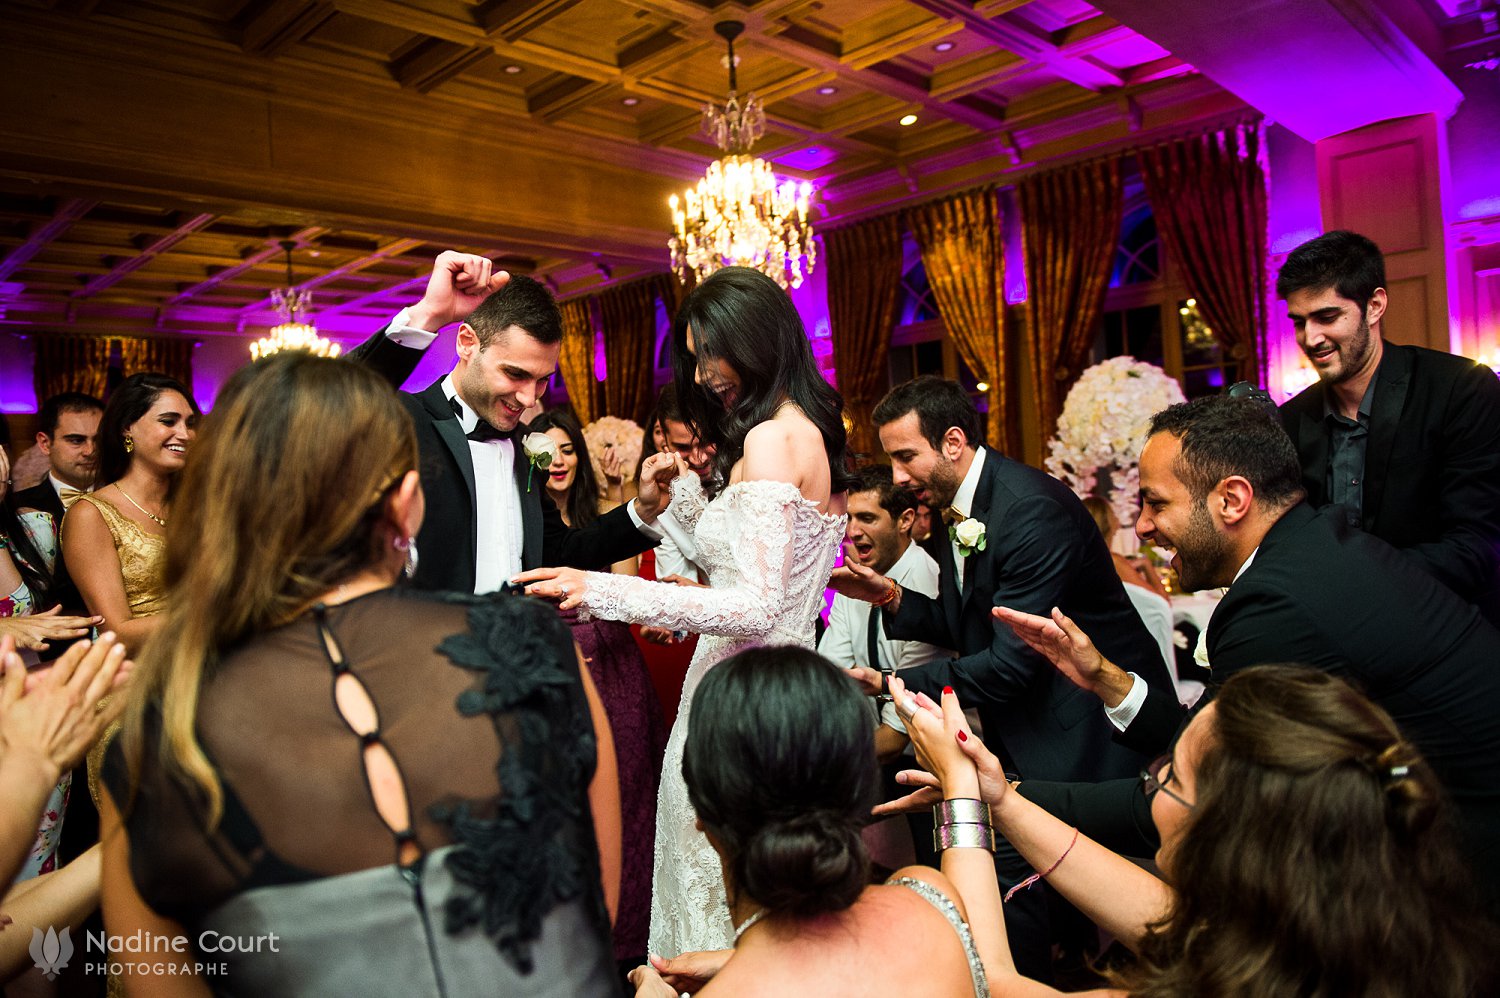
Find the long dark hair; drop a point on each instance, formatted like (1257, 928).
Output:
(744, 318)
(780, 768)
(28, 560)
(131, 400)
(1318, 859)
(583, 497)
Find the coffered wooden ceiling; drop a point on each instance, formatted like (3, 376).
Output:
(153, 153)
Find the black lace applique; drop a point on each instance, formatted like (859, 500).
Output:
(534, 849)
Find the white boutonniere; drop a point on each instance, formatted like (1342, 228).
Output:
(968, 535)
(540, 451)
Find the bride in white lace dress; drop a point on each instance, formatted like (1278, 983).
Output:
(768, 540)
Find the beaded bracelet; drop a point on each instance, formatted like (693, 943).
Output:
(963, 835)
(891, 592)
(963, 810)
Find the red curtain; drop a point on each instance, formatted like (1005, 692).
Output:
(627, 315)
(576, 359)
(1208, 194)
(863, 264)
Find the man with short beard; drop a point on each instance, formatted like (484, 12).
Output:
(1406, 439)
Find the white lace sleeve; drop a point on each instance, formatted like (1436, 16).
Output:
(761, 516)
(688, 501)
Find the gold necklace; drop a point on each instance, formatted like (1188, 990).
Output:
(138, 506)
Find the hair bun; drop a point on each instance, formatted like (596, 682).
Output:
(806, 864)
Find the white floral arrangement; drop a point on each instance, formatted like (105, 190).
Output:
(624, 436)
(1103, 428)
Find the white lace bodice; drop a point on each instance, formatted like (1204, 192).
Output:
(768, 553)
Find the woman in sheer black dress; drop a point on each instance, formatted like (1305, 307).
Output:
(368, 790)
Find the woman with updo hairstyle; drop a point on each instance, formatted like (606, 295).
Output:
(780, 767)
(415, 792)
(1306, 850)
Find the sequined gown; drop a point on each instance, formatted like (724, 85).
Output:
(768, 553)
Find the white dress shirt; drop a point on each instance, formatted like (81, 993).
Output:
(963, 501)
(845, 641)
(499, 529)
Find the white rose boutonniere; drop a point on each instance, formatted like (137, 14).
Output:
(540, 451)
(969, 535)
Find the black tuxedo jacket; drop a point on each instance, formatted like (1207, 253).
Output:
(1432, 465)
(41, 496)
(1320, 593)
(1042, 550)
(447, 541)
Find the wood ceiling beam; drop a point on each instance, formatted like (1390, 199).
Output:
(1004, 32)
(250, 262)
(271, 27)
(512, 19)
(67, 213)
(435, 62)
(157, 246)
(394, 248)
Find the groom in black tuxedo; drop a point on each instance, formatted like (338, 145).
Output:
(1039, 549)
(486, 517)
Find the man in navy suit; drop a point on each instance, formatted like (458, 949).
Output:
(1018, 537)
(486, 517)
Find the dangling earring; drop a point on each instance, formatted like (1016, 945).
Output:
(409, 545)
(129, 444)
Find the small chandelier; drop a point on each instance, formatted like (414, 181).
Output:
(290, 334)
(738, 215)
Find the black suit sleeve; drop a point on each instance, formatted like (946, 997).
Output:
(1033, 562)
(611, 538)
(1115, 813)
(387, 358)
(1467, 493)
(1156, 724)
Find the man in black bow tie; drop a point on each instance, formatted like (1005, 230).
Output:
(486, 519)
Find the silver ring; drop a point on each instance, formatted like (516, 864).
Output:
(563, 590)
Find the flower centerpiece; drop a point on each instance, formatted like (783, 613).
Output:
(622, 437)
(1103, 427)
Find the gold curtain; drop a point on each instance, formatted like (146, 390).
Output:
(577, 358)
(68, 362)
(1208, 194)
(162, 355)
(1070, 224)
(863, 264)
(627, 314)
(961, 246)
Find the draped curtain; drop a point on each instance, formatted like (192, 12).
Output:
(961, 248)
(1070, 224)
(576, 358)
(67, 362)
(864, 281)
(1208, 194)
(172, 357)
(627, 314)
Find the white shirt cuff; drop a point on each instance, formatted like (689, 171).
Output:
(649, 529)
(1124, 712)
(402, 334)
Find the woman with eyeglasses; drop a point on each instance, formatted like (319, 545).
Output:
(1305, 850)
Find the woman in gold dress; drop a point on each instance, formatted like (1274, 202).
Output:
(112, 538)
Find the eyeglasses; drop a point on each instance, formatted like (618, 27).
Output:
(1155, 775)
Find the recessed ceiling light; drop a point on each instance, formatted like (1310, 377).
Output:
(943, 47)
(631, 101)
(512, 69)
(909, 119)
(825, 91)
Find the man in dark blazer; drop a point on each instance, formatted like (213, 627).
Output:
(68, 433)
(1039, 549)
(486, 516)
(1220, 484)
(1406, 439)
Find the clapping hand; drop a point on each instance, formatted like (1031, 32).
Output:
(1063, 643)
(957, 763)
(459, 282)
(53, 715)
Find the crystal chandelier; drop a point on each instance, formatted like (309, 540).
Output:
(290, 334)
(738, 214)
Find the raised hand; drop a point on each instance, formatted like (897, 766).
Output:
(956, 760)
(652, 491)
(1063, 643)
(459, 282)
(54, 715)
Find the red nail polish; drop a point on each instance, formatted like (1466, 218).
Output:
(947, 690)
(962, 737)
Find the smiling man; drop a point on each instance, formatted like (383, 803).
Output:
(486, 520)
(1406, 440)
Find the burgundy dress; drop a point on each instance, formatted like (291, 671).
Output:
(635, 718)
